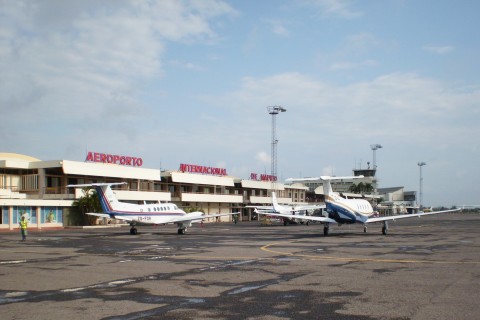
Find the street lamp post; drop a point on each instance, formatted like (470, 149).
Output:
(420, 165)
(274, 110)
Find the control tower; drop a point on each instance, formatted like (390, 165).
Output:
(365, 172)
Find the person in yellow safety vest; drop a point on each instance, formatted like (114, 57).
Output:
(23, 227)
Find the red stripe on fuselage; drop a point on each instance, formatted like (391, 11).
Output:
(103, 197)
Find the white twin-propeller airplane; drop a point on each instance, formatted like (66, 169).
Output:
(345, 211)
(156, 213)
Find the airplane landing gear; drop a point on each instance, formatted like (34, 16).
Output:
(365, 229)
(133, 230)
(385, 228)
(181, 230)
(326, 228)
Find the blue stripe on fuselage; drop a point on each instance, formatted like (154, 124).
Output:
(340, 213)
(103, 201)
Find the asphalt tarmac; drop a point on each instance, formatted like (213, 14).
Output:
(425, 268)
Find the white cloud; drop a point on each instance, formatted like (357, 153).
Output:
(85, 62)
(349, 65)
(355, 52)
(361, 42)
(439, 49)
(263, 157)
(335, 8)
(328, 171)
(252, 40)
(187, 65)
(278, 28)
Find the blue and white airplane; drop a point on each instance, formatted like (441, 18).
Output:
(347, 211)
(156, 213)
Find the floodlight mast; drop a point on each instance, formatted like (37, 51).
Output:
(374, 148)
(274, 110)
(420, 165)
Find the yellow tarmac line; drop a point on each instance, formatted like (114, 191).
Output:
(266, 248)
(192, 256)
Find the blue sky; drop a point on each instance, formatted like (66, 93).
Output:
(190, 82)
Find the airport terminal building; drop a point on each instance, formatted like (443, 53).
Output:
(38, 189)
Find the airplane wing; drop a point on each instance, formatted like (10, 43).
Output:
(198, 218)
(293, 216)
(186, 218)
(310, 207)
(261, 207)
(105, 215)
(101, 215)
(299, 208)
(402, 216)
(265, 211)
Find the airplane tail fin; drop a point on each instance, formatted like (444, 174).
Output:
(327, 187)
(275, 204)
(107, 197)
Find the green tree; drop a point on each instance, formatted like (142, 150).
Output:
(361, 188)
(353, 188)
(89, 202)
(368, 188)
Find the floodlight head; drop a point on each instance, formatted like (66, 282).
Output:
(375, 146)
(276, 109)
(421, 164)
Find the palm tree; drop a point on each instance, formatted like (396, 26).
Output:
(89, 202)
(369, 188)
(353, 188)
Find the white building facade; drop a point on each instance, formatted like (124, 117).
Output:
(38, 189)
